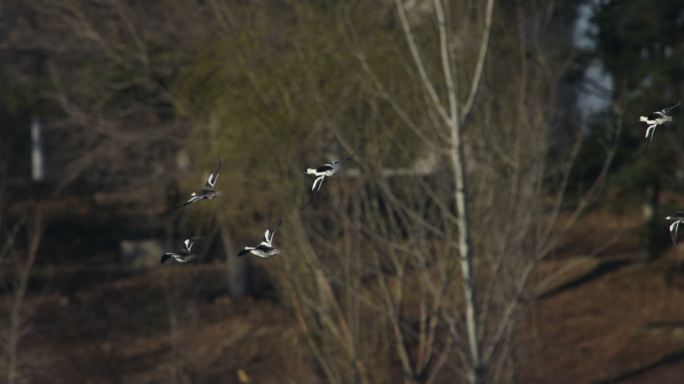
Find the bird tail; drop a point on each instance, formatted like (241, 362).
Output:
(245, 251)
(310, 171)
(164, 257)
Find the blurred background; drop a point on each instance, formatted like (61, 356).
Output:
(500, 219)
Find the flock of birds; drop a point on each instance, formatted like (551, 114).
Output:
(658, 118)
(264, 249)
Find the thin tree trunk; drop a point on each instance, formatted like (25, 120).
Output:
(465, 251)
(451, 119)
(652, 246)
(466, 257)
(35, 234)
(238, 267)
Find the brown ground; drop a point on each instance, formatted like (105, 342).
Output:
(623, 323)
(614, 319)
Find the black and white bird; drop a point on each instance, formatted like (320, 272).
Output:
(208, 191)
(678, 218)
(265, 248)
(182, 256)
(325, 170)
(657, 118)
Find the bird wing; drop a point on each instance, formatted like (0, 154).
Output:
(313, 197)
(337, 162)
(268, 235)
(211, 182)
(319, 182)
(668, 109)
(190, 201)
(650, 132)
(315, 190)
(673, 231)
(188, 244)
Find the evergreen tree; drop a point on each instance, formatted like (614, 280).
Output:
(640, 43)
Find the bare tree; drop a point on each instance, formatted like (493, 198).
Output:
(475, 229)
(117, 125)
(20, 264)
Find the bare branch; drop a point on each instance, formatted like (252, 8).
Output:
(484, 45)
(420, 65)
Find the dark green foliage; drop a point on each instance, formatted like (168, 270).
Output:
(641, 45)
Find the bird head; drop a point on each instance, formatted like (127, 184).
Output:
(643, 118)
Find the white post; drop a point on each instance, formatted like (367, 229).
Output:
(37, 168)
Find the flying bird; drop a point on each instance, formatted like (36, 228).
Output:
(325, 170)
(657, 118)
(208, 191)
(265, 249)
(678, 218)
(182, 256)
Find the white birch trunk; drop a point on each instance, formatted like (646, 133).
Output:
(452, 119)
(37, 158)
